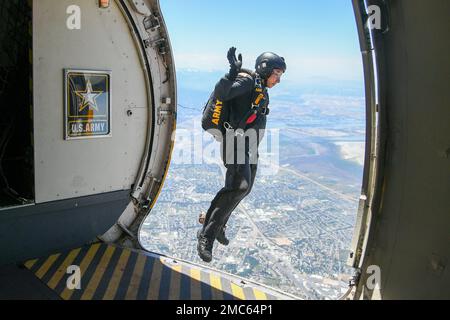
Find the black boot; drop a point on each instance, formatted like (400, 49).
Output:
(222, 238)
(204, 247)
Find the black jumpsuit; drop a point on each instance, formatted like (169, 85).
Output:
(240, 175)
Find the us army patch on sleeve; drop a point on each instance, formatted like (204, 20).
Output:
(87, 107)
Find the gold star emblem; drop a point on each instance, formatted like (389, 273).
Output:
(88, 97)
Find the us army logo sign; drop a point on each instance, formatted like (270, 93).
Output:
(87, 107)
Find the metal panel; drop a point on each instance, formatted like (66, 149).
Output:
(409, 237)
(31, 231)
(67, 169)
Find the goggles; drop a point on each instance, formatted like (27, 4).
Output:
(278, 73)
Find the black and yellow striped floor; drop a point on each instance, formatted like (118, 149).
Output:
(112, 273)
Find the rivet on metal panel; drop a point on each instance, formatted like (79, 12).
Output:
(171, 262)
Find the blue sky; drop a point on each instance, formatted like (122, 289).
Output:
(318, 38)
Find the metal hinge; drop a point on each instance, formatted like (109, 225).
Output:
(160, 44)
(146, 203)
(126, 230)
(163, 114)
(151, 23)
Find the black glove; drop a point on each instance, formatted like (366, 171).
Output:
(235, 64)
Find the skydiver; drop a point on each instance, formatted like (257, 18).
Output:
(237, 90)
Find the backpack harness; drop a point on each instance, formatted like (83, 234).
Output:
(255, 110)
(216, 117)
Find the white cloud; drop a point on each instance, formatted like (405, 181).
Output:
(325, 67)
(200, 62)
(300, 68)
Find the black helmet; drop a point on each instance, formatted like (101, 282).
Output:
(268, 61)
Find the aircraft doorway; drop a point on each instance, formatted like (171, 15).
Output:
(294, 230)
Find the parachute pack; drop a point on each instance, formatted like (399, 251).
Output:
(216, 113)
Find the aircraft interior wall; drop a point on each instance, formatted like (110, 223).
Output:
(16, 146)
(409, 239)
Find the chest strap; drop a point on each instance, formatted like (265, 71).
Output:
(259, 94)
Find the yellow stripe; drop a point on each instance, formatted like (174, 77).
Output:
(117, 276)
(259, 295)
(258, 99)
(67, 293)
(133, 288)
(196, 293)
(216, 284)
(175, 283)
(29, 264)
(237, 291)
(155, 281)
(48, 263)
(62, 270)
(98, 274)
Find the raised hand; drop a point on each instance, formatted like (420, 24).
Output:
(235, 64)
